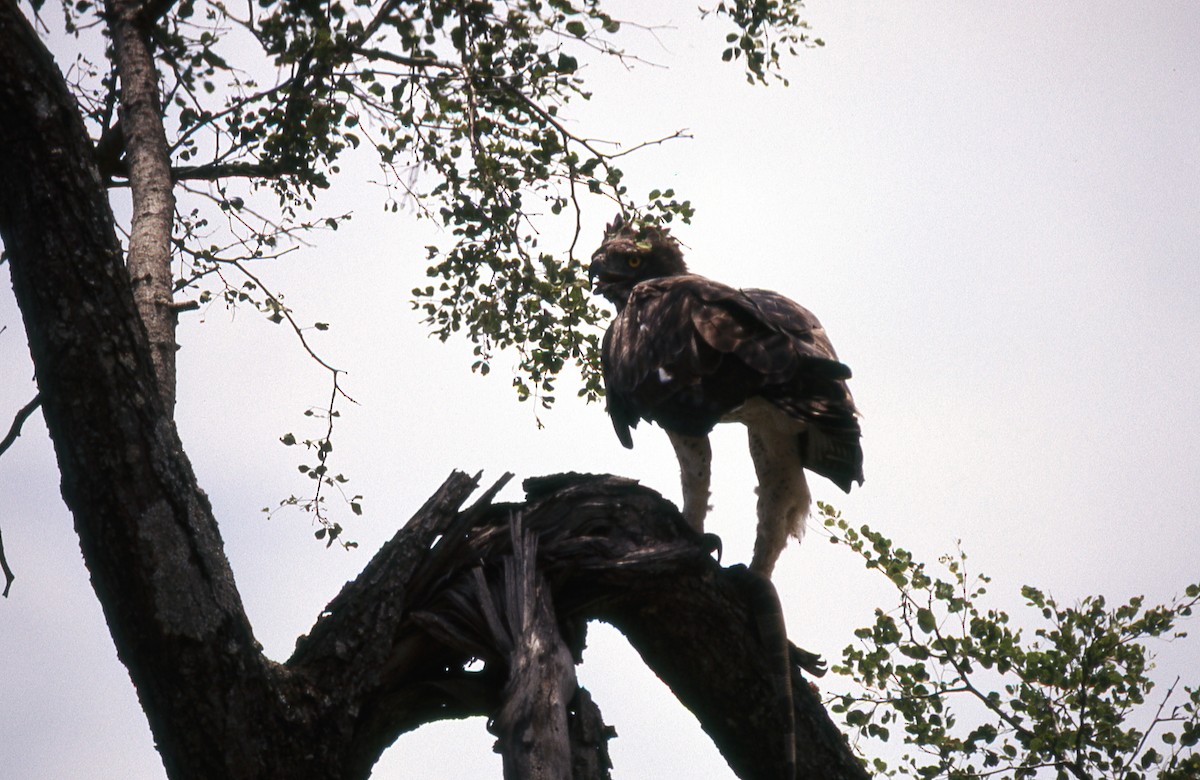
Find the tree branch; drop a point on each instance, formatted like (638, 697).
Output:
(243, 170)
(8, 573)
(608, 549)
(147, 155)
(13, 432)
(400, 59)
(18, 422)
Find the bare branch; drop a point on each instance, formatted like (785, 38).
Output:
(8, 573)
(677, 135)
(13, 432)
(19, 420)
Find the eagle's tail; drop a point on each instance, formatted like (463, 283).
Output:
(834, 453)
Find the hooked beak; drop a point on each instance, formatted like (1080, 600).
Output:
(596, 271)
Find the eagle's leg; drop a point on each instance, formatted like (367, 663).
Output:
(695, 472)
(783, 496)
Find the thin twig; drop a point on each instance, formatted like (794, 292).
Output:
(323, 449)
(19, 420)
(675, 136)
(8, 573)
(287, 314)
(13, 432)
(1158, 718)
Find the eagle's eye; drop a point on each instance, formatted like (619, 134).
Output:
(634, 261)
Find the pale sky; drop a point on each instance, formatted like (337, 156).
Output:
(993, 207)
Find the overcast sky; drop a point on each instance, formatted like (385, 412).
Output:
(993, 207)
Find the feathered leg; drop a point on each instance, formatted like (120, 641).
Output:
(695, 473)
(783, 496)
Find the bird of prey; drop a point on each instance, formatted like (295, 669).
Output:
(687, 353)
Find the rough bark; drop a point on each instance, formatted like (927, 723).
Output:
(148, 163)
(146, 530)
(392, 651)
(589, 739)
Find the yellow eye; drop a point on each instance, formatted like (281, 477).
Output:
(634, 261)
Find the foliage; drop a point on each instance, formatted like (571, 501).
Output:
(463, 105)
(1062, 704)
(765, 29)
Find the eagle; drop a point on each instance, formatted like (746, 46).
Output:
(687, 353)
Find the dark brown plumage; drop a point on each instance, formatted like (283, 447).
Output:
(687, 353)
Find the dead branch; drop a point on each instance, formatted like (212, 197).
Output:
(457, 590)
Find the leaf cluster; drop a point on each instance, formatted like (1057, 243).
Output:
(976, 697)
(328, 530)
(764, 31)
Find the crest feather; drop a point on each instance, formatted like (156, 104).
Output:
(645, 239)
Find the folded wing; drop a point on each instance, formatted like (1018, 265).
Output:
(686, 352)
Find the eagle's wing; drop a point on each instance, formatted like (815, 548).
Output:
(830, 441)
(687, 351)
(652, 360)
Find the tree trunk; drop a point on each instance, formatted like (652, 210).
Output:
(148, 162)
(393, 650)
(146, 530)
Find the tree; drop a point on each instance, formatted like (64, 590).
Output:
(393, 651)
(976, 698)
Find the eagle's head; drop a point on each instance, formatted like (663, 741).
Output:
(629, 255)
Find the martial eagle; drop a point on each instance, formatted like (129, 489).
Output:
(687, 353)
